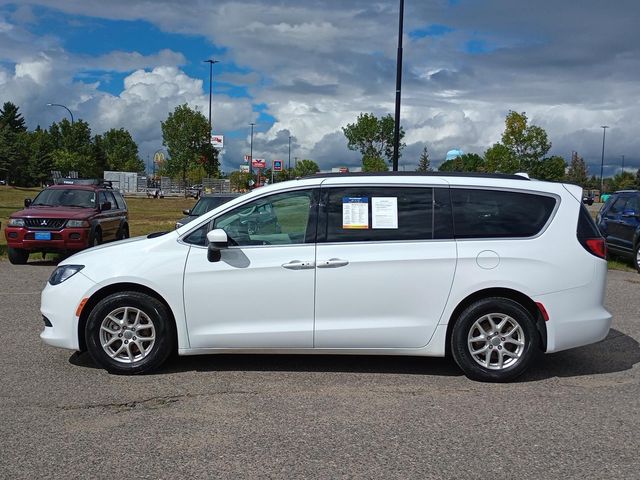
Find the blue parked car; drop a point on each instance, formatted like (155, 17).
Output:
(619, 223)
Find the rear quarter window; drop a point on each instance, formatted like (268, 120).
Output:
(483, 213)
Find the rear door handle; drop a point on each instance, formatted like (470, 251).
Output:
(299, 265)
(333, 263)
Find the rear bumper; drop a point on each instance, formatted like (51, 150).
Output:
(577, 317)
(67, 239)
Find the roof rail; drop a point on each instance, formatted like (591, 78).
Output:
(84, 181)
(419, 174)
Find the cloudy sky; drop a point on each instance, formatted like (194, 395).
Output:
(307, 68)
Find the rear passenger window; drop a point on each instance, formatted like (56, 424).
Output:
(481, 213)
(365, 214)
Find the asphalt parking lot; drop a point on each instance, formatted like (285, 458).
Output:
(576, 415)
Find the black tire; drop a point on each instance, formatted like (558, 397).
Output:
(497, 343)
(123, 232)
(138, 356)
(18, 256)
(95, 238)
(636, 257)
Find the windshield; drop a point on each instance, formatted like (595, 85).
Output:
(55, 197)
(208, 203)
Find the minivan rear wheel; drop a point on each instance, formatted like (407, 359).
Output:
(130, 333)
(494, 340)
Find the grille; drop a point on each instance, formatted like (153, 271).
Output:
(45, 223)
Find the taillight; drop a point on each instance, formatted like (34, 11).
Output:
(595, 246)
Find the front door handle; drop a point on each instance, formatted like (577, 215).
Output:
(333, 263)
(299, 265)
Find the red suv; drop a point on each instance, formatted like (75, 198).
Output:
(72, 215)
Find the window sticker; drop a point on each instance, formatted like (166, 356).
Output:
(384, 212)
(355, 213)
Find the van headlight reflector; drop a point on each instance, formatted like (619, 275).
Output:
(65, 272)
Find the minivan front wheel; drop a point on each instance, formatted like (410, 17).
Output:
(129, 333)
(494, 340)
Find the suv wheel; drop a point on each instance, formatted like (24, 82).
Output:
(123, 232)
(129, 333)
(636, 257)
(96, 238)
(494, 340)
(18, 256)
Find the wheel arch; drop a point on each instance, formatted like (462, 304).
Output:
(115, 288)
(518, 297)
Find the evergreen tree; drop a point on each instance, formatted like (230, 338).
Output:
(424, 164)
(577, 172)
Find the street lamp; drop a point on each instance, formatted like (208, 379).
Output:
(622, 163)
(210, 62)
(60, 105)
(251, 153)
(396, 129)
(289, 167)
(604, 134)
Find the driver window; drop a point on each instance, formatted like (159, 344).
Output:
(280, 219)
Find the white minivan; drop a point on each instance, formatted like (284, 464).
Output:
(491, 269)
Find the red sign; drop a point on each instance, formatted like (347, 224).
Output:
(277, 165)
(259, 163)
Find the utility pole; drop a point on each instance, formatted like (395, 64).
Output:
(289, 167)
(396, 130)
(210, 62)
(604, 134)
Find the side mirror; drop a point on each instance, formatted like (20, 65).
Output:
(186, 211)
(27, 202)
(105, 206)
(218, 241)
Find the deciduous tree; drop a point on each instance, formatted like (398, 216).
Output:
(372, 136)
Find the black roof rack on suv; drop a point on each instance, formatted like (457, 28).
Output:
(420, 174)
(84, 181)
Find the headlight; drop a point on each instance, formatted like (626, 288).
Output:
(16, 222)
(63, 273)
(78, 224)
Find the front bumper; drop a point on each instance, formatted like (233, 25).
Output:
(58, 303)
(67, 239)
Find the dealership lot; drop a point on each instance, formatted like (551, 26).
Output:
(574, 415)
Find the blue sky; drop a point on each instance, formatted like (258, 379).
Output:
(306, 69)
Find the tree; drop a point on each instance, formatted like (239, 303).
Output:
(577, 173)
(551, 169)
(306, 168)
(209, 160)
(13, 154)
(239, 181)
(40, 161)
(469, 162)
(528, 143)
(424, 164)
(74, 149)
(374, 164)
(10, 118)
(372, 136)
(499, 159)
(622, 181)
(184, 133)
(121, 151)
(637, 184)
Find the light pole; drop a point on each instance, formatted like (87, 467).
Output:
(63, 106)
(604, 134)
(289, 167)
(396, 129)
(622, 163)
(210, 62)
(251, 153)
